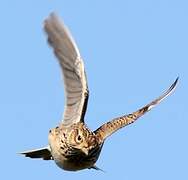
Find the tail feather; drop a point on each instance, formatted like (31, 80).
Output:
(96, 168)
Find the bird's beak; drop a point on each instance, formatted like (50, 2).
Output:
(85, 151)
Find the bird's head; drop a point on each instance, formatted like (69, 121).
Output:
(81, 138)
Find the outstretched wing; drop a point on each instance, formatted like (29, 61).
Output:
(72, 66)
(112, 126)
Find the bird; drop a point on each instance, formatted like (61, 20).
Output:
(71, 144)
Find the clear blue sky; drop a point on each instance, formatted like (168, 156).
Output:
(133, 50)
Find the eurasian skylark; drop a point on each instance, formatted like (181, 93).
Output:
(72, 145)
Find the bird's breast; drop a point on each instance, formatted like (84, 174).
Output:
(76, 161)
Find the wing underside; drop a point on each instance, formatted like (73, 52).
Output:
(43, 153)
(72, 66)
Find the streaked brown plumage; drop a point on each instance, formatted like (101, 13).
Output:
(71, 144)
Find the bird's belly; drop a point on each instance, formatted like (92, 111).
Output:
(73, 164)
(78, 161)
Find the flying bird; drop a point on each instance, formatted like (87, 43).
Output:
(72, 145)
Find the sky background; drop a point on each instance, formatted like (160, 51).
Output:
(133, 51)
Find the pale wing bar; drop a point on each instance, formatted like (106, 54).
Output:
(112, 126)
(75, 81)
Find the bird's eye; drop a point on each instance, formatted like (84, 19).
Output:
(79, 138)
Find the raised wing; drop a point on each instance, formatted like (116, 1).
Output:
(72, 66)
(112, 126)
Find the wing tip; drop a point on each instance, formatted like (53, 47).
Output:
(166, 94)
(52, 15)
(24, 153)
(45, 155)
(174, 85)
(176, 81)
